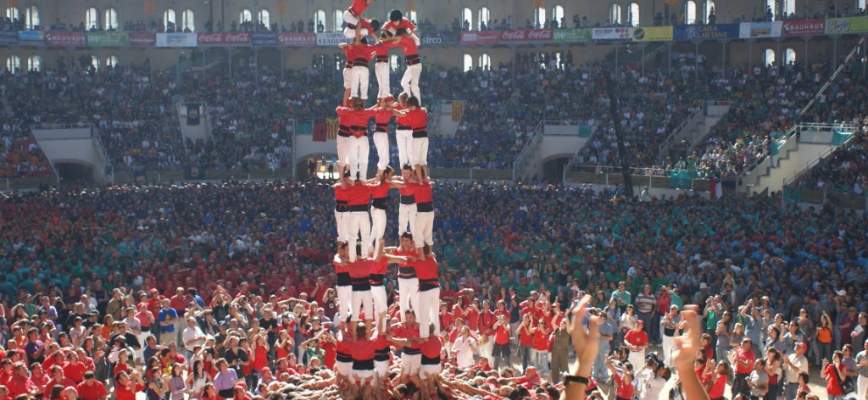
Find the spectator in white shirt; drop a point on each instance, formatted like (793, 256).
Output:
(193, 336)
(464, 348)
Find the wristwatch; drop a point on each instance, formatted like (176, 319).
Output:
(575, 379)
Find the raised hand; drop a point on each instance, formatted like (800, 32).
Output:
(586, 341)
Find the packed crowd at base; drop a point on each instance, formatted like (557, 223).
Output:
(227, 290)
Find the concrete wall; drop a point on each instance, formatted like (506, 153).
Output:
(72, 146)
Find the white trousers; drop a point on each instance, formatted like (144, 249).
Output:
(667, 348)
(381, 304)
(343, 147)
(363, 374)
(362, 299)
(406, 218)
(486, 350)
(431, 370)
(637, 358)
(429, 311)
(408, 290)
(862, 387)
(342, 222)
(410, 81)
(381, 369)
(360, 80)
(378, 228)
(410, 363)
(345, 298)
(381, 143)
(348, 78)
(360, 224)
(420, 151)
(424, 230)
(351, 19)
(381, 71)
(359, 151)
(405, 147)
(344, 369)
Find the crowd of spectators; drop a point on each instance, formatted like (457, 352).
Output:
(846, 170)
(241, 271)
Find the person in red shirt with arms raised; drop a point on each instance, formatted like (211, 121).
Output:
(413, 71)
(353, 15)
(398, 22)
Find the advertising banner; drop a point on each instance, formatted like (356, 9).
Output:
(480, 38)
(179, 39)
(297, 39)
(236, 38)
(578, 35)
(264, 39)
(653, 34)
(804, 27)
(142, 39)
(706, 32)
(330, 39)
(107, 39)
(8, 38)
(613, 33)
(750, 30)
(210, 39)
(438, 39)
(527, 35)
(842, 26)
(65, 39)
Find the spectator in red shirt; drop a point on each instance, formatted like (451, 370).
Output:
(91, 389)
(525, 339)
(834, 374)
(20, 383)
(623, 378)
(501, 341)
(541, 347)
(126, 387)
(744, 361)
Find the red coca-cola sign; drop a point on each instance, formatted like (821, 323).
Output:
(527, 35)
(237, 38)
(211, 39)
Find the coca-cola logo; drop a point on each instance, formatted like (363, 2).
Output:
(514, 35)
(237, 37)
(211, 38)
(540, 35)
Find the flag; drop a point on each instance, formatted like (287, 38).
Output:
(150, 7)
(332, 127)
(410, 5)
(282, 7)
(457, 110)
(319, 131)
(671, 3)
(539, 3)
(715, 188)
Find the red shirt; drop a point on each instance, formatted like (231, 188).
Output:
(427, 269)
(341, 194)
(75, 371)
(717, 387)
(423, 192)
(382, 50)
(540, 340)
(431, 348)
(744, 361)
(833, 385)
(363, 350)
(91, 390)
(331, 353)
(380, 191)
(179, 303)
(409, 45)
(624, 390)
(360, 269)
(636, 338)
(340, 267)
(358, 195)
(379, 267)
(358, 7)
(409, 332)
(525, 338)
(417, 119)
(354, 120)
(124, 393)
(346, 50)
(486, 322)
(360, 53)
(382, 117)
(404, 23)
(19, 385)
(501, 335)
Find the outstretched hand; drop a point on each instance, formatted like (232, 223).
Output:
(689, 344)
(586, 341)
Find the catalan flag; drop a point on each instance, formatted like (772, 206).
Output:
(332, 127)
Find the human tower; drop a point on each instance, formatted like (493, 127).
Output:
(366, 329)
